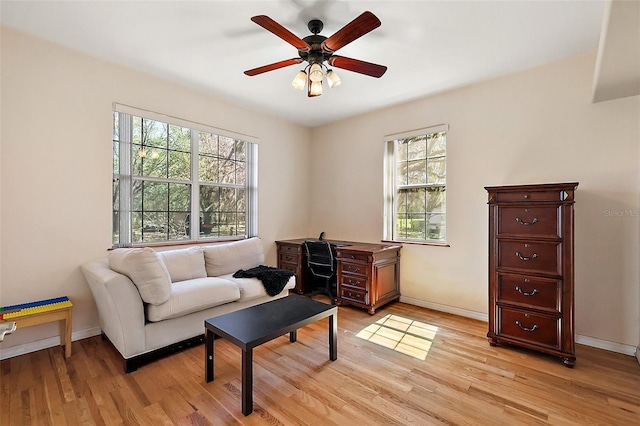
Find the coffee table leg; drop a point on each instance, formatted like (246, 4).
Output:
(333, 337)
(247, 381)
(208, 358)
(293, 336)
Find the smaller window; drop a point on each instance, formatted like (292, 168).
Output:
(415, 186)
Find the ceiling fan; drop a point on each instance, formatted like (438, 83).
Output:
(317, 49)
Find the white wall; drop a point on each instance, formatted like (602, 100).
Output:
(537, 126)
(56, 168)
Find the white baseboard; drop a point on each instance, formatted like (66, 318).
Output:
(583, 340)
(445, 308)
(46, 343)
(605, 344)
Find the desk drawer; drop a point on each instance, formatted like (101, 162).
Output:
(292, 249)
(293, 267)
(342, 255)
(353, 268)
(355, 281)
(288, 258)
(354, 294)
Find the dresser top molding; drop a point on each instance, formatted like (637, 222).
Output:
(564, 192)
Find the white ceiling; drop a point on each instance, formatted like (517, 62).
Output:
(428, 46)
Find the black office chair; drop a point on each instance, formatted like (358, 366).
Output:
(320, 262)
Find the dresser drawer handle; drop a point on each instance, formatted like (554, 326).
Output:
(533, 256)
(522, 222)
(351, 268)
(354, 281)
(534, 328)
(524, 293)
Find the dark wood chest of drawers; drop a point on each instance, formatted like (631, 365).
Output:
(531, 270)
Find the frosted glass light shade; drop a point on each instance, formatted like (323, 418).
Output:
(299, 80)
(316, 88)
(315, 73)
(333, 79)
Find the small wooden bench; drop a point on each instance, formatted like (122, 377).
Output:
(41, 312)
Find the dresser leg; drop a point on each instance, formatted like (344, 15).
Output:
(372, 311)
(492, 341)
(569, 362)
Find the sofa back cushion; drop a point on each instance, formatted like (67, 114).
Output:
(147, 271)
(227, 258)
(184, 264)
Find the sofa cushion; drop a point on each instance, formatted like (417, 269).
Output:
(252, 288)
(184, 264)
(194, 295)
(227, 258)
(147, 271)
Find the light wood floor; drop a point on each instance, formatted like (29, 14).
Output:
(462, 380)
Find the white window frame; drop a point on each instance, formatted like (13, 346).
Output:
(391, 186)
(125, 179)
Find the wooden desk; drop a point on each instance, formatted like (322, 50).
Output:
(44, 313)
(368, 275)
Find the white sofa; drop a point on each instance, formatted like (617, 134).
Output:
(152, 302)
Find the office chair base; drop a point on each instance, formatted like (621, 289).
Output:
(326, 291)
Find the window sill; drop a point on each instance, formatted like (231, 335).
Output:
(418, 243)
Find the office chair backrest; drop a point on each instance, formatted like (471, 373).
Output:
(319, 258)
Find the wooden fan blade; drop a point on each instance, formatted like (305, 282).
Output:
(356, 65)
(357, 28)
(277, 29)
(274, 66)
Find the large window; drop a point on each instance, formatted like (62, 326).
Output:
(415, 186)
(168, 171)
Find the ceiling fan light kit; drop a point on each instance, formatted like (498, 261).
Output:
(316, 49)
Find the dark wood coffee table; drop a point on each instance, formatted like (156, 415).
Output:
(253, 326)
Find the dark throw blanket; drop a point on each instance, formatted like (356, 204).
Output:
(273, 279)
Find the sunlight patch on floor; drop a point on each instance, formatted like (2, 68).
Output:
(401, 334)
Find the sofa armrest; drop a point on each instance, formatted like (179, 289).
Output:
(120, 307)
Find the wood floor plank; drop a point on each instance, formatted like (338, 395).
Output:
(422, 368)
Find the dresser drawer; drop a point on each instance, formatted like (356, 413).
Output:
(353, 268)
(530, 327)
(354, 281)
(530, 291)
(287, 258)
(541, 257)
(354, 294)
(534, 221)
(530, 196)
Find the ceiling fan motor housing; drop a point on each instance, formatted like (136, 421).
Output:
(315, 26)
(316, 54)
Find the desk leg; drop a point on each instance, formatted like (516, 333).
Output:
(333, 337)
(247, 381)
(293, 336)
(208, 357)
(65, 334)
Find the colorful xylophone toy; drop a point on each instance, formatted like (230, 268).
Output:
(14, 311)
